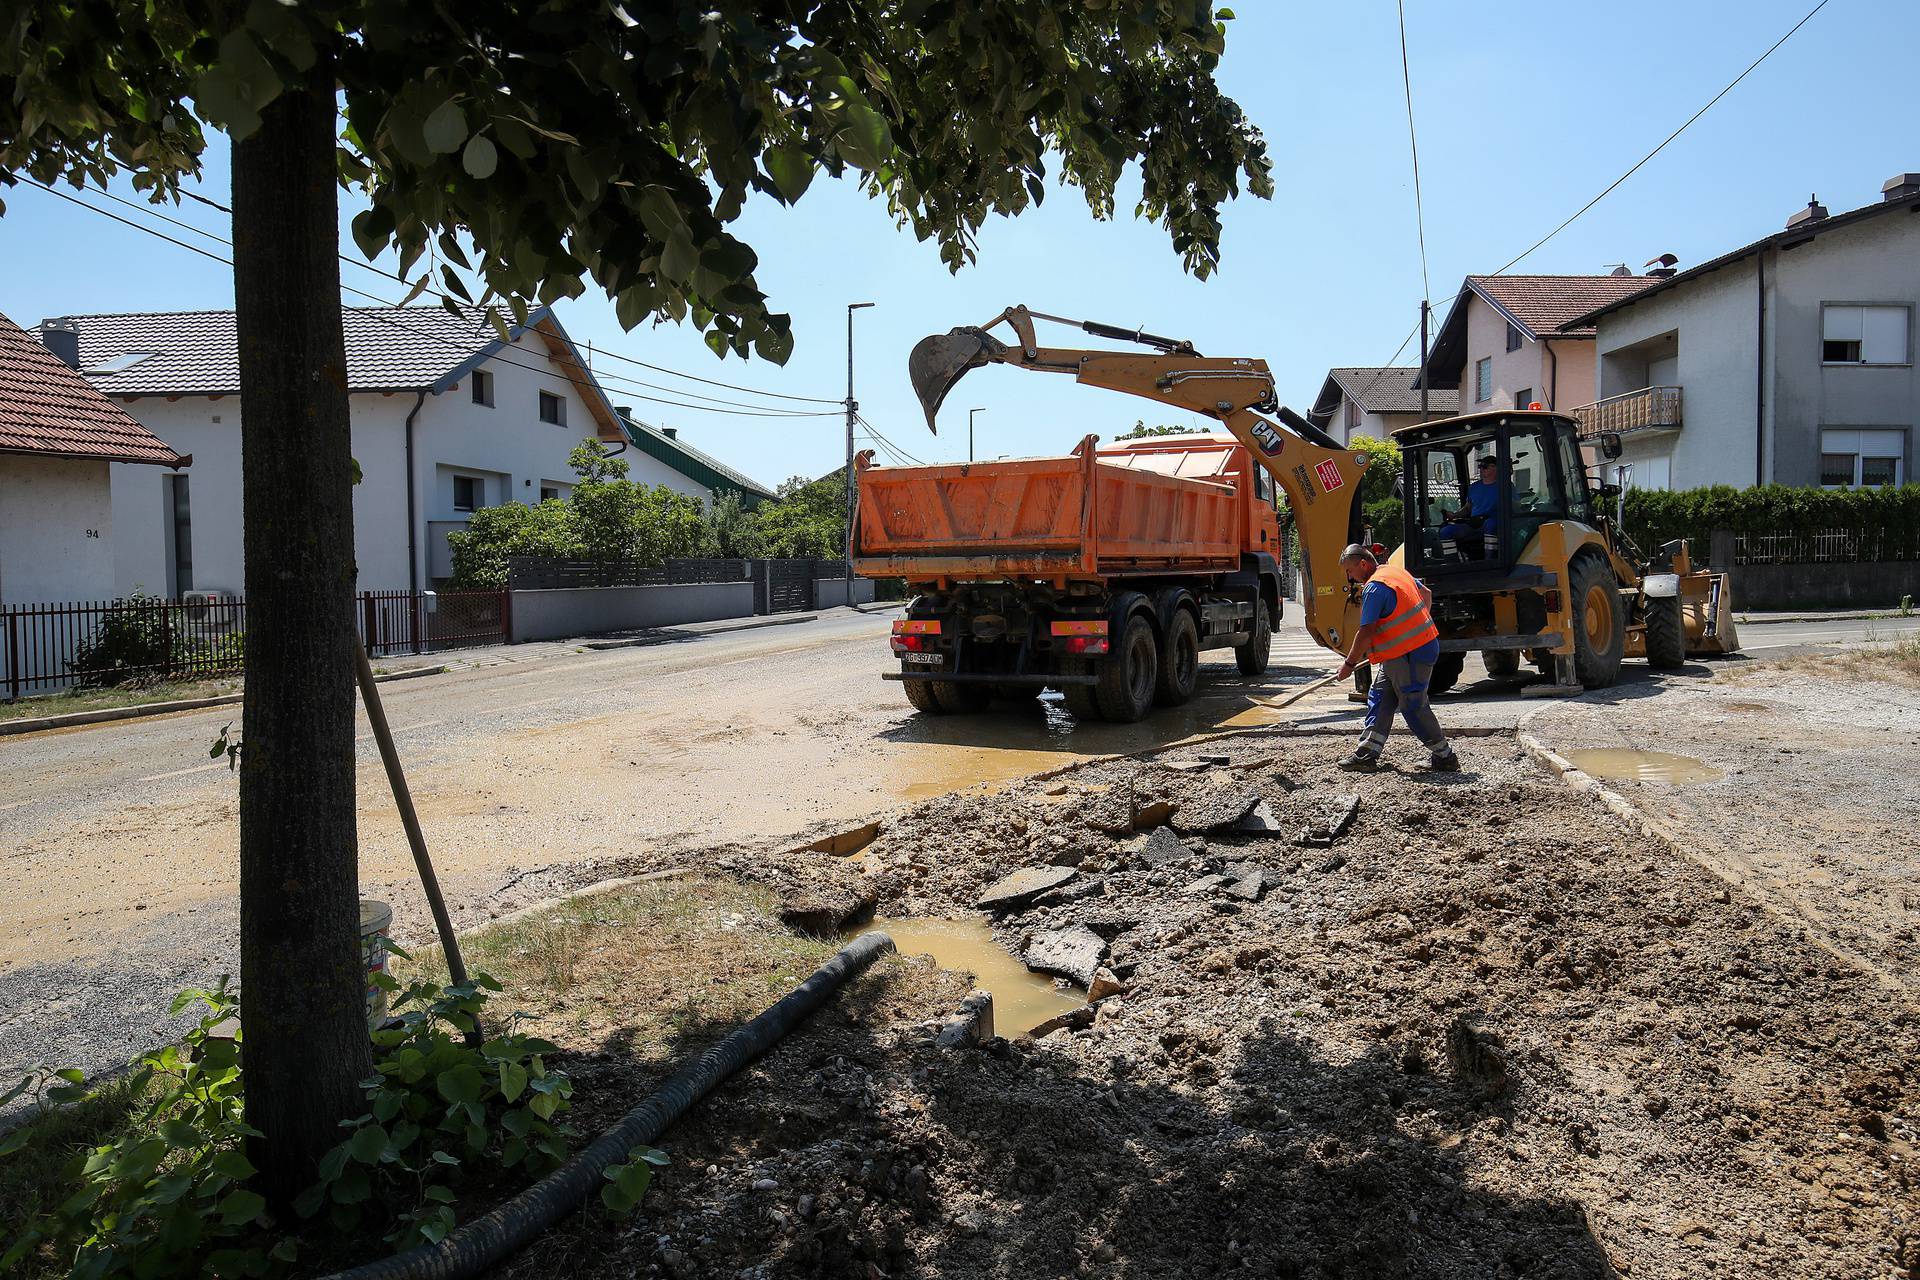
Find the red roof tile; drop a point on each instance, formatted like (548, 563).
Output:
(47, 407)
(1544, 303)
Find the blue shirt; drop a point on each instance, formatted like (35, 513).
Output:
(1483, 500)
(1378, 601)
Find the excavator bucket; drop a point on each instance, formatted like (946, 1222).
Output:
(941, 360)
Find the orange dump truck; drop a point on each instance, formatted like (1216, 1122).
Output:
(1103, 574)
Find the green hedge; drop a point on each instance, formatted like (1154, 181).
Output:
(1656, 516)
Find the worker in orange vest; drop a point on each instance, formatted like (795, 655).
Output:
(1398, 637)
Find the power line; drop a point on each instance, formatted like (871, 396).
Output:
(1670, 137)
(1413, 143)
(395, 322)
(363, 265)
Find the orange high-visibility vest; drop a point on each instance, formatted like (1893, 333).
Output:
(1409, 626)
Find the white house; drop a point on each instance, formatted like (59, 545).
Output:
(1787, 361)
(1375, 402)
(446, 419)
(59, 441)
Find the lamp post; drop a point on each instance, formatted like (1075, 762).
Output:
(970, 414)
(852, 406)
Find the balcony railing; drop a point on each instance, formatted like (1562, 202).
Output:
(1650, 408)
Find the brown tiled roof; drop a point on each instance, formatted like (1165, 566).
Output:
(1543, 303)
(1391, 391)
(48, 408)
(197, 353)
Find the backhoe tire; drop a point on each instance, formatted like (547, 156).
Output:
(1599, 622)
(1129, 673)
(920, 693)
(1501, 663)
(1251, 656)
(1666, 634)
(1446, 673)
(1363, 679)
(962, 699)
(1179, 661)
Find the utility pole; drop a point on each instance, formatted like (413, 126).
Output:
(970, 414)
(852, 406)
(1423, 360)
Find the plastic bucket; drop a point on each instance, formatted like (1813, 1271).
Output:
(376, 918)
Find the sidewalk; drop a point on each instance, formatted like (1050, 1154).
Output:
(1760, 618)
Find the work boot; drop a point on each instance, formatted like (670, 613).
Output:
(1444, 762)
(1360, 762)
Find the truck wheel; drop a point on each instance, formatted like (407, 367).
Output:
(961, 699)
(1179, 662)
(1666, 633)
(1128, 675)
(1501, 663)
(1082, 700)
(920, 693)
(1251, 656)
(1446, 673)
(1599, 623)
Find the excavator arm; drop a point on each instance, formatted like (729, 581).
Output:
(1320, 478)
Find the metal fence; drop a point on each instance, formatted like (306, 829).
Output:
(148, 640)
(548, 573)
(1825, 546)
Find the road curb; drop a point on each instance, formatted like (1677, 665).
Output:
(1877, 615)
(660, 634)
(107, 715)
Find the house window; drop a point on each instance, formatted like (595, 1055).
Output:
(468, 493)
(483, 388)
(553, 409)
(180, 500)
(1483, 380)
(1861, 459)
(1514, 337)
(1523, 397)
(549, 493)
(1863, 335)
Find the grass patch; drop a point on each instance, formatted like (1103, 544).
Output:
(72, 700)
(40, 1174)
(1895, 663)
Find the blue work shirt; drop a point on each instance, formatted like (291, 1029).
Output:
(1483, 500)
(1377, 601)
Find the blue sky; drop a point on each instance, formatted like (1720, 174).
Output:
(1525, 111)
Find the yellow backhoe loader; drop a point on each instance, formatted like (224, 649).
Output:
(1542, 571)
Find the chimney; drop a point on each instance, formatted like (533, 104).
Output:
(623, 411)
(671, 433)
(1663, 266)
(1900, 186)
(62, 337)
(1814, 212)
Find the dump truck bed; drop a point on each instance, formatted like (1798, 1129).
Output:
(1092, 514)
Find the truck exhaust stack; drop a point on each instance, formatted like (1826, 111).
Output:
(939, 361)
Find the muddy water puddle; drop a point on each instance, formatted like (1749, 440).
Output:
(1022, 1000)
(1620, 764)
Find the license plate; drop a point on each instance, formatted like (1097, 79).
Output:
(925, 659)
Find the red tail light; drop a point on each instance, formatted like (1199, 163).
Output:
(915, 635)
(1087, 645)
(1081, 638)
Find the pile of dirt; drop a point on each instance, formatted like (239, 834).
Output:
(1483, 1032)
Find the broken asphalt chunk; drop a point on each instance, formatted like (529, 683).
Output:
(1164, 848)
(1074, 953)
(1258, 821)
(1022, 887)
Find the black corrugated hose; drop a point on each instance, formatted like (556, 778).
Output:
(485, 1241)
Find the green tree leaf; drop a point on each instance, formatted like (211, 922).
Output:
(480, 157)
(445, 128)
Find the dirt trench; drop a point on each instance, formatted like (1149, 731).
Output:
(1486, 1032)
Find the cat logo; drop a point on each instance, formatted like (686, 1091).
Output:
(1270, 440)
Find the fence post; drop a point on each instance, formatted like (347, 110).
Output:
(506, 616)
(13, 654)
(413, 604)
(367, 620)
(166, 641)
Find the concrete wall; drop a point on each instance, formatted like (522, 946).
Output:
(1825, 586)
(830, 593)
(584, 611)
(56, 529)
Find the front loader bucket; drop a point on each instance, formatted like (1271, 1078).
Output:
(941, 360)
(1706, 601)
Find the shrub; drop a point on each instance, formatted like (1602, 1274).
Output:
(480, 551)
(144, 638)
(1890, 518)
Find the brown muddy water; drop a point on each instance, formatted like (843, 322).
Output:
(1620, 764)
(1022, 1000)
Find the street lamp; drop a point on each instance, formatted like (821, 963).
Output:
(852, 406)
(970, 414)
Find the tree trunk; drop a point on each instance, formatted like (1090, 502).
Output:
(300, 973)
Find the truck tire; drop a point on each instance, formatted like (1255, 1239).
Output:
(1251, 656)
(1179, 661)
(1501, 663)
(1129, 673)
(1666, 633)
(1446, 673)
(920, 693)
(962, 699)
(1599, 623)
(1081, 699)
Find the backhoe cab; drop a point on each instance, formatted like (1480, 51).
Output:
(1504, 522)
